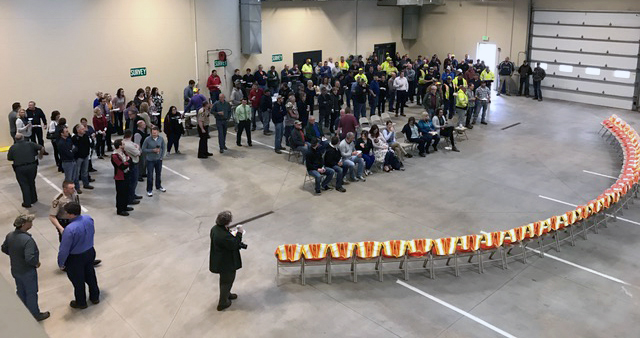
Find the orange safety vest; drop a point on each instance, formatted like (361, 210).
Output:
(514, 235)
(368, 249)
(492, 240)
(571, 217)
(342, 251)
(419, 247)
(394, 249)
(289, 252)
(314, 252)
(469, 243)
(445, 246)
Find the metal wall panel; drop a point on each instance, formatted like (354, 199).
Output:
(626, 48)
(620, 62)
(601, 33)
(588, 18)
(589, 86)
(586, 98)
(606, 75)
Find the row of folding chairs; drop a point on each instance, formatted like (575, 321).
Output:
(536, 236)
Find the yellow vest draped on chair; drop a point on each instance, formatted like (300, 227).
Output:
(289, 252)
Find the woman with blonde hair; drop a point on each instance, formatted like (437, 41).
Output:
(144, 114)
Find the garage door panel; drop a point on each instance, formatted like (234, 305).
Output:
(592, 18)
(605, 74)
(623, 34)
(587, 46)
(589, 86)
(586, 59)
(586, 98)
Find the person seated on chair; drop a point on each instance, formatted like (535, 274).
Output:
(389, 134)
(365, 145)
(313, 129)
(411, 132)
(382, 150)
(333, 160)
(352, 158)
(297, 138)
(316, 167)
(443, 128)
(428, 131)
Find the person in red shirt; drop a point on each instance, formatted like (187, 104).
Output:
(348, 123)
(254, 96)
(213, 83)
(121, 162)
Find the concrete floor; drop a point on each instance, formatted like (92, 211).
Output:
(155, 280)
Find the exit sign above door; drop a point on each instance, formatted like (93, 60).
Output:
(140, 71)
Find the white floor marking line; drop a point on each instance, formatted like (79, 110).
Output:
(573, 205)
(260, 143)
(598, 174)
(175, 172)
(578, 266)
(57, 188)
(464, 313)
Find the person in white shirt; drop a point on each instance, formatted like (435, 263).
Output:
(402, 86)
(389, 135)
(443, 128)
(23, 126)
(351, 158)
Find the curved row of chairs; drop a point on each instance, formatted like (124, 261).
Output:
(536, 236)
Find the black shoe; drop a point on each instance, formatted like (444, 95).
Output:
(239, 145)
(250, 144)
(327, 188)
(26, 205)
(123, 213)
(426, 151)
(129, 209)
(318, 192)
(253, 129)
(423, 154)
(455, 149)
(42, 316)
(278, 151)
(45, 153)
(92, 179)
(109, 149)
(97, 262)
(134, 202)
(140, 179)
(221, 151)
(225, 148)
(95, 302)
(92, 171)
(75, 305)
(222, 307)
(341, 189)
(233, 296)
(205, 156)
(138, 197)
(483, 122)
(90, 187)
(409, 156)
(209, 154)
(468, 126)
(78, 191)
(435, 148)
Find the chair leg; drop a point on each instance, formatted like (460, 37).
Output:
(379, 268)
(433, 275)
(524, 253)
(503, 258)
(573, 240)
(355, 271)
(302, 273)
(455, 257)
(504, 255)
(329, 271)
(406, 268)
(541, 247)
(556, 235)
(480, 267)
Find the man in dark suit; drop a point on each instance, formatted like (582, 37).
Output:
(224, 257)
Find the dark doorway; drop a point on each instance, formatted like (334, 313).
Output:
(382, 49)
(301, 57)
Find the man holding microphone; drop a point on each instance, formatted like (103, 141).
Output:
(224, 257)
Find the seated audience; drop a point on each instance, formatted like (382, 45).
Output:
(381, 150)
(316, 167)
(411, 132)
(352, 158)
(333, 160)
(365, 145)
(428, 131)
(443, 128)
(297, 138)
(313, 129)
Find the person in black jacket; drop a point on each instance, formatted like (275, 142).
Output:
(324, 108)
(316, 168)
(66, 152)
(278, 113)
(247, 82)
(333, 160)
(224, 257)
(82, 144)
(173, 128)
(266, 104)
(525, 71)
(39, 121)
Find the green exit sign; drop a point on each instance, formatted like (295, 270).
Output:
(485, 38)
(218, 63)
(276, 57)
(141, 71)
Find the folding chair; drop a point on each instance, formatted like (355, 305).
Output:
(364, 124)
(342, 253)
(408, 146)
(418, 250)
(315, 255)
(515, 238)
(367, 252)
(386, 117)
(468, 246)
(289, 255)
(375, 119)
(307, 178)
(444, 248)
(394, 251)
(460, 132)
(296, 153)
(490, 243)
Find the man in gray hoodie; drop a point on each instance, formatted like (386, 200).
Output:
(154, 149)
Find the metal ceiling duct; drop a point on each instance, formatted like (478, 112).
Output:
(250, 26)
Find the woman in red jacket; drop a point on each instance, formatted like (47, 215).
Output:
(120, 162)
(100, 126)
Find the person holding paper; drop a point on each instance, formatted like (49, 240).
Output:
(224, 255)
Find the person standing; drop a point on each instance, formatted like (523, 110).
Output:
(277, 116)
(222, 113)
(224, 255)
(242, 118)
(132, 149)
(411, 79)
(100, 126)
(13, 116)
(402, 86)
(174, 129)
(25, 260)
(265, 106)
(82, 145)
(121, 163)
(77, 255)
(119, 103)
(505, 70)
(483, 98)
(203, 130)
(487, 76)
(139, 135)
(154, 149)
(538, 75)
(524, 71)
(25, 165)
(213, 84)
(51, 135)
(38, 120)
(67, 156)
(254, 97)
(24, 126)
(273, 82)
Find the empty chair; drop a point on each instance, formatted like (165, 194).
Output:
(375, 119)
(394, 251)
(367, 252)
(315, 255)
(289, 255)
(342, 253)
(386, 117)
(364, 124)
(418, 250)
(443, 248)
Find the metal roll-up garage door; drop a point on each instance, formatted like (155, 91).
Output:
(589, 57)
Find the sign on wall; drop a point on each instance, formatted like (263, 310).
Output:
(140, 71)
(218, 63)
(276, 57)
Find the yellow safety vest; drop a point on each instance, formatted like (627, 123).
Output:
(307, 68)
(455, 82)
(361, 76)
(487, 76)
(462, 101)
(492, 240)
(469, 243)
(343, 65)
(289, 252)
(445, 246)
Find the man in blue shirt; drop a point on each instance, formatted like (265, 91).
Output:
(76, 256)
(195, 103)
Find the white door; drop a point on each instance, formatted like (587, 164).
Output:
(487, 52)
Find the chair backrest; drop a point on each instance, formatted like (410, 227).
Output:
(571, 217)
(469, 243)
(289, 253)
(445, 246)
(515, 235)
(363, 121)
(368, 249)
(542, 227)
(385, 117)
(375, 119)
(529, 230)
(492, 240)
(342, 250)
(558, 222)
(419, 247)
(394, 249)
(314, 252)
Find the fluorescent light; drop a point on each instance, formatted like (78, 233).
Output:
(543, 65)
(623, 74)
(592, 71)
(565, 68)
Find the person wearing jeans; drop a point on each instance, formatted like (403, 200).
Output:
(538, 75)
(82, 144)
(132, 149)
(154, 149)
(351, 158)
(333, 160)
(222, 113)
(266, 104)
(277, 116)
(66, 152)
(316, 168)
